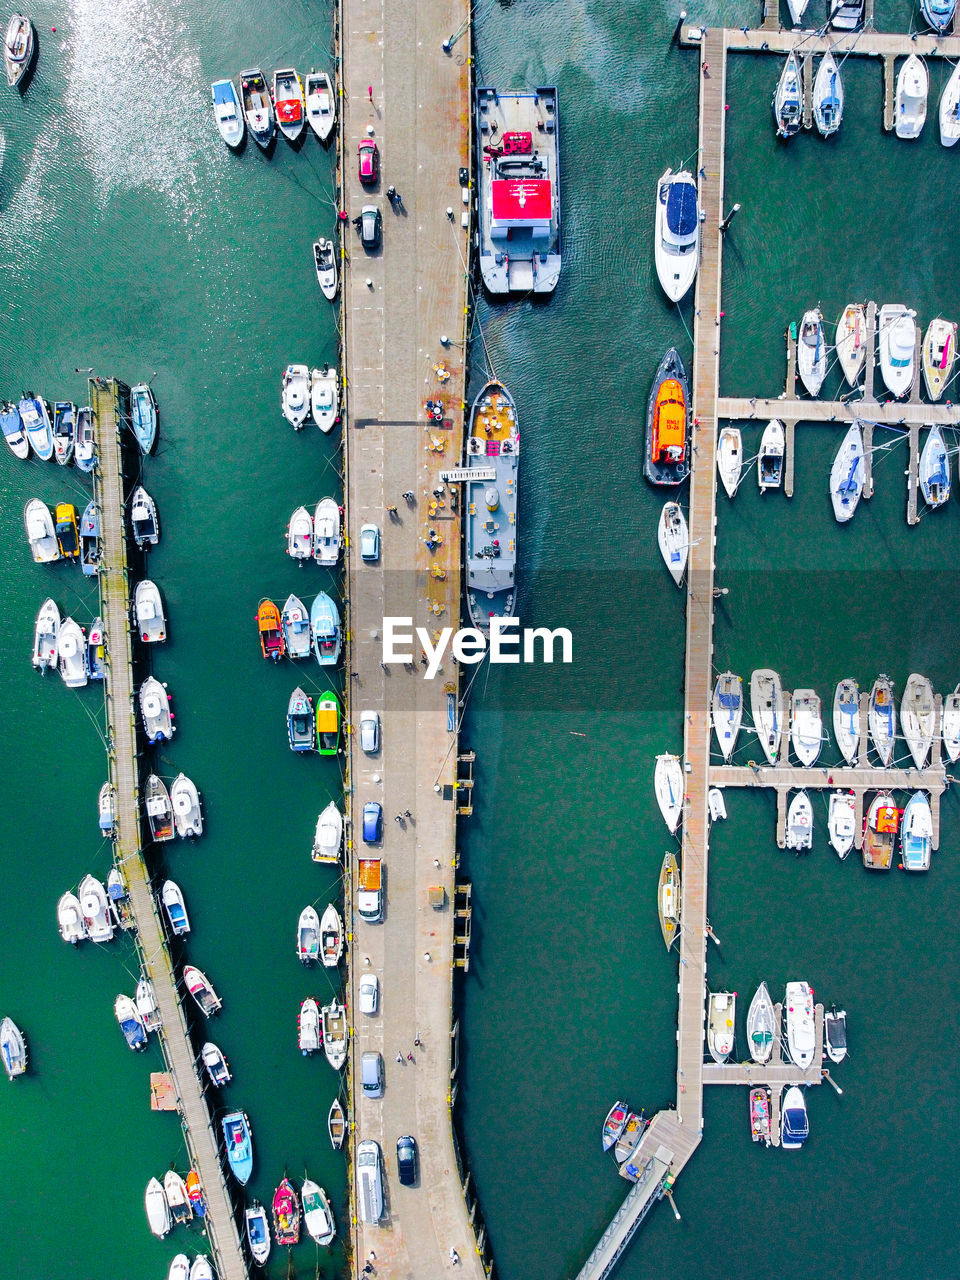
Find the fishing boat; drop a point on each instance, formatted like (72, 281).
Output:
(97, 650)
(918, 717)
(614, 1124)
(938, 353)
(18, 46)
(730, 458)
(288, 103)
(257, 106)
(13, 1049)
(674, 540)
(950, 109)
(119, 900)
(880, 832)
(334, 1023)
(185, 802)
(317, 1214)
(847, 475)
(325, 262)
(179, 1268)
(217, 1067)
(154, 709)
(96, 910)
(159, 810)
(827, 96)
(882, 719)
(35, 416)
(897, 336)
(72, 654)
(13, 432)
(716, 806)
(490, 506)
(812, 351)
(300, 722)
(770, 457)
(799, 834)
(328, 724)
(806, 727)
(939, 14)
(107, 809)
(788, 98)
(666, 459)
(851, 345)
(296, 628)
(308, 936)
(331, 937)
(41, 534)
(766, 707)
(630, 1135)
(727, 708)
(760, 1116)
(761, 1025)
(227, 112)
(950, 727)
(794, 1126)
(911, 98)
(270, 628)
(147, 1007)
(300, 535)
(324, 397)
(325, 625)
(676, 233)
(199, 987)
(934, 470)
(130, 1022)
(336, 1124)
(835, 1034)
(842, 821)
(286, 1214)
(171, 895)
(70, 919)
(327, 532)
(46, 630)
(258, 1232)
(668, 898)
(85, 452)
(143, 519)
(90, 540)
(157, 1209)
(295, 399)
(143, 416)
(329, 834)
(801, 1033)
(916, 833)
(64, 431)
(239, 1144)
(721, 1015)
(668, 787)
(195, 1194)
(148, 612)
(321, 103)
(308, 1027)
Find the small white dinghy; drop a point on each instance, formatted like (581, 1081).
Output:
(46, 631)
(325, 262)
(324, 397)
(882, 719)
(668, 786)
(175, 1189)
(185, 801)
(950, 109)
(70, 919)
(852, 341)
(938, 353)
(806, 727)
(842, 821)
(951, 725)
(918, 717)
(716, 805)
(800, 822)
(300, 535)
(158, 1211)
(846, 718)
(321, 103)
(897, 340)
(331, 937)
(847, 475)
(812, 351)
(916, 833)
(329, 835)
(41, 534)
(913, 85)
(761, 1025)
(730, 458)
(935, 468)
(727, 710)
(148, 612)
(766, 707)
(295, 399)
(827, 96)
(770, 458)
(674, 540)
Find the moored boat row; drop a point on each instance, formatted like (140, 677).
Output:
(316, 535)
(313, 393)
(881, 823)
(290, 106)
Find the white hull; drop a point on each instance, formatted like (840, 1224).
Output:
(158, 1211)
(846, 718)
(295, 399)
(951, 726)
(300, 535)
(677, 254)
(913, 86)
(727, 711)
(324, 397)
(187, 815)
(321, 104)
(916, 833)
(96, 910)
(882, 719)
(798, 1010)
(950, 109)
(41, 534)
(847, 475)
(851, 345)
(806, 726)
(72, 655)
(812, 351)
(176, 908)
(797, 9)
(800, 822)
(938, 353)
(721, 1017)
(842, 822)
(674, 540)
(333, 1023)
(146, 1003)
(45, 636)
(295, 621)
(308, 1027)
(329, 835)
(828, 96)
(730, 459)
(766, 707)
(770, 459)
(331, 937)
(935, 470)
(325, 262)
(155, 711)
(668, 786)
(327, 535)
(918, 717)
(896, 336)
(761, 1025)
(308, 935)
(70, 919)
(148, 612)
(317, 1214)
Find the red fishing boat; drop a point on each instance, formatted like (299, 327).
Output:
(271, 632)
(614, 1124)
(286, 1214)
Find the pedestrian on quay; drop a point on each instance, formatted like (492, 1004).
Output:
(407, 813)
(399, 1056)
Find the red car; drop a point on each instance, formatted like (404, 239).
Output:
(368, 162)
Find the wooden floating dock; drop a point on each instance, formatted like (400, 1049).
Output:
(775, 1074)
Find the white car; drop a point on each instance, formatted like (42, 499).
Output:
(370, 732)
(369, 993)
(369, 543)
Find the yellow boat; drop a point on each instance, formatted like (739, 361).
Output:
(668, 899)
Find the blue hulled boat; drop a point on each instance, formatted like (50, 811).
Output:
(90, 540)
(325, 625)
(143, 416)
(300, 722)
(13, 431)
(236, 1134)
(35, 417)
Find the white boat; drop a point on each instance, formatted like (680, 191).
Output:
(846, 15)
(308, 1027)
(716, 805)
(154, 710)
(185, 800)
(158, 1211)
(846, 718)
(64, 431)
(797, 9)
(668, 786)
(327, 535)
(806, 726)
(308, 935)
(179, 1268)
(329, 835)
(727, 709)
(146, 1002)
(674, 540)
(812, 351)
(668, 898)
(770, 457)
(171, 895)
(939, 14)
(257, 106)
(148, 612)
(41, 534)
(227, 112)
(159, 810)
(295, 622)
(842, 821)
(794, 1126)
(324, 397)
(799, 834)
(11, 426)
(331, 937)
(107, 809)
(951, 725)
(721, 1017)
(143, 519)
(258, 1233)
(882, 718)
(288, 103)
(300, 535)
(217, 1067)
(317, 1214)
(766, 707)
(935, 468)
(175, 1189)
(200, 987)
(676, 233)
(950, 109)
(201, 1268)
(788, 99)
(938, 352)
(761, 1025)
(918, 717)
(916, 833)
(72, 654)
(913, 85)
(97, 918)
(18, 47)
(85, 453)
(827, 96)
(13, 1049)
(851, 345)
(325, 262)
(35, 416)
(847, 475)
(333, 1020)
(801, 1033)
(835, 1034)
(296, 394)
(897, 337)
(46, 631)
(321, 103)
(70, 919)
(730, 458)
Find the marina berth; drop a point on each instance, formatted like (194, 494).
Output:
(324, 396)
(197, 983)
(835, 1034)
(880, 832)
(269, 626)
(143, 519)
(227, 112)
(676, 233)
(107, 809)
(175, 906)
(842, 821)
(258, 1232)
(727, 712)
(801, 1033)
(916, 833)
(300, 722)
(13, 1049)
(721, 1015)
(64, 431)
(882, 719)
(334, 1023)
(851, 345)
(148, 612)
(788, 99)
(90, 540)
(286, 1214)
(799, 834)
(730, 458)
(794, 1126)
(288, 103)
(674, 540)
(668, 788)
(939, 351)
(257, 106)
(828, 96)
(185, 802)
(41, 534)
(327, 634)
(666, 458)
(325, 262)
(336, 1124)
(46, 631)
(918, 717)
(951, 725)
(770, 457)
(847, 475)
(327, 533)
(70, 919)
(300, 535)
(308, 936)
(295, 625)
(96, 650)
(158, 808)
(668, 899)
(239, 1145)
(614, 1124)
(766, 708)
(331, 937)
(13, 432)
(321, 104)
(308, 1027)
(950, 109)
(329, 835)
(143, 417)
(154, 710)
(317, 1214)
(490, 506)
(761, 1025)
(85, 452)
(130, 1023)
(806, 728)
(35, 416)
(913, 85)
(72, 654)
(896, 334)
(157, 1209)
(97, 917)
(18, 49)
(812, 351)
(760, 1130)
(215, 1064)
(295, 399)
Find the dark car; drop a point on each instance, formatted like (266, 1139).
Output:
(407, 1160)
(368, 162)
(370, 226)
(373, 822)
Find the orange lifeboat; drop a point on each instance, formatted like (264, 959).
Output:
(271, 633)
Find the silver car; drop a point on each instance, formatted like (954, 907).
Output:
(370, 732)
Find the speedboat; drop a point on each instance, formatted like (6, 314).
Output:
(851, 345)
(950, 727)
(668, 786)
(614, 1124)
(760, 1122)
(847, 475)
(217, 1067)
(147, 1007)
(766, 707)
(950, 109)
(913, 86)
(806, 727)
(96, 910)
(296, 394)
(794, 1126)
(674, 540)
(325, 261)
(288, 103)
(296, 627)
(13, 432)
(35, 416)
(631, 1134)
(828, 96)
(324, 397)
(334, 1022)
(761, 1025)
(300, 535)
(271, 633)
(131, 1023)
(72, 654)
(159, 810)
(328, 723)
(938, 353)
(770, 457)
(197, 983)
(41, 534)
(64, 431)
(300, 722)
(336, 1124)
(158, 1211)
(801, 1033)
(730, 458)
(327, 534)
(308, 1027)
(239, 1144)
(916, 833)
(155, 711)
(286, 1214)
(727, 708)
(317, 1214)
(13, 1048)
(97, 650)
(46, 629)
(882, 719)
(880, 832)
(18, 46)
(257, 106)
(666, 458)
(90, 540)
(258, 1232)
(799, 834)
(171, 895)
(85, 452)
(898, 339)
(185, 802)
(835, 1034)
(812, 351)
(143, 519)
(107, 809)
(325, 625)
(677, 233)
(227, 112)
(668, 898)
(175, 1190)
(321, 103)
(70, 919)
(308, 936)
(939, 13)
(331, 937)
(721, 1015)
(329, 835)
(148, 612)
(788, 98)
(842, 821)
(918, 717)
(143, 416)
